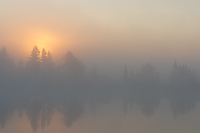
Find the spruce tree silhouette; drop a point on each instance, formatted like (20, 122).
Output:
(73, 71)
(44, 59)
(34, 60)
(70, 90)
(148, 80)
(183, 90)
(7, 83)
(50, 63)
(72, 64)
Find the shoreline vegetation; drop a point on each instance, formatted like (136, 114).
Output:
(38, 88)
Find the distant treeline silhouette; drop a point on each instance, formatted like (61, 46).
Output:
(39, 88)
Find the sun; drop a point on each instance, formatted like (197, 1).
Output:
(54, 42)
(42, 40)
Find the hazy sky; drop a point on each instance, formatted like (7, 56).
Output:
(103, 30)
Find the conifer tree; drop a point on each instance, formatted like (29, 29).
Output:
(44, 59)
(34, 60)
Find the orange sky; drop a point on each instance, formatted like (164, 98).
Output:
(102, 30)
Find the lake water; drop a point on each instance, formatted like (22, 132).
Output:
(111, 118)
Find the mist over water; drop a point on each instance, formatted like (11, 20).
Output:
(110, 118)
(40, 96)
(108, 66)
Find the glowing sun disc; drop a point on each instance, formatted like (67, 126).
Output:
(43, 40)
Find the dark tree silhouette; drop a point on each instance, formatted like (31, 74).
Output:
(73, 71)
(44, 59)
(34, 60)
(183, 89)
(6, 64)
(72, 64)
(40, 89)
(148, 77)
(149, 91)
(50, 63)
(7, 70)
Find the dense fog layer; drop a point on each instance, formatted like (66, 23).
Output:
(39, 88)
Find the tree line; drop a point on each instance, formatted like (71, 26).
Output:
(39, 88)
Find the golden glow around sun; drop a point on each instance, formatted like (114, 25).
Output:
(55, 42)
(42, 40)
(51, 41)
